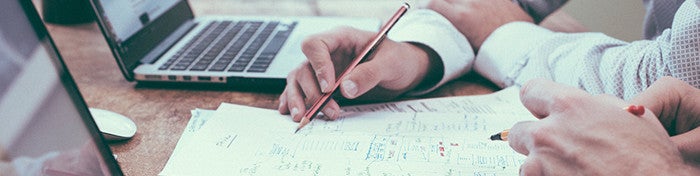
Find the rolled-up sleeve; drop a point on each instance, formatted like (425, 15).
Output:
(431, 29)
(518, 52)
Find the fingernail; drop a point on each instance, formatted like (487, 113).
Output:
(350, 88)
(324, 85)
(295, 111)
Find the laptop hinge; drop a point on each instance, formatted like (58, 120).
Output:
(173, 38)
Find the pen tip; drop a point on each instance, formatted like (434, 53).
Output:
(295, 131)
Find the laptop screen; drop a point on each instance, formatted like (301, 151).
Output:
(126, 17)
(46, 128)
(136, 30)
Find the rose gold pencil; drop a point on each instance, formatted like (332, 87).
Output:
(366, 53)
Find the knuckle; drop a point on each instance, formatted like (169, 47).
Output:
(366, 74)
(310, 99)
(292, 93)
(311, 43)
(290, 79)
(601, 96)
(532, 166)
(345, 29)
(667, 79)
(434, 3)
(475, 4)
(294, 74)
(574, 154)
(541, 137)
(565, 102)
(530, 85)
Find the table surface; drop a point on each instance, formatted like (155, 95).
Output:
(161, 114)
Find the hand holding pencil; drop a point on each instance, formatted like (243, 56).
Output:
(579, 133)
(636, 110)
(363, 56)
(378, 78)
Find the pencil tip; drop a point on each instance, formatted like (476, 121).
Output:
(302, 123)
(496, 137)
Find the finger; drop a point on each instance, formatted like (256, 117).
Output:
(318, 50)
(687, 144)
(382, 76)
(440, 6)
(331, 110)
(308, 84)
(666, 99)
(657, 95)
(283, 109)
(433, 4)
(312, 93)
(294, 98)
(622, 105)
(671, 100)
(291, 90)
(541, 97)
(531, 166)
(363, 78)
(518, 137)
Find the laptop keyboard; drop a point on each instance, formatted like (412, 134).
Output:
(234, 46)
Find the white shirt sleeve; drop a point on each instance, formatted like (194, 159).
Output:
(518, 52)
(431, 29)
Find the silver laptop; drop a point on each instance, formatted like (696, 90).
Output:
(46, 127)
(162, 41)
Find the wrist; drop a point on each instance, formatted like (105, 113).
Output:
(433, 65)
(684, 169)
(668, 166)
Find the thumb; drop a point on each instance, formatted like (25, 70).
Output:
(363, 78)
(542, 97)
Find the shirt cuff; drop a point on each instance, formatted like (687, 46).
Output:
(431, 29)
(504, 53)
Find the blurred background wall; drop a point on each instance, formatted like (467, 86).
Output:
(621, 19)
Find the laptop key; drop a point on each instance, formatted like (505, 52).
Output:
(198, 67)
(237, 68)
(257, 69)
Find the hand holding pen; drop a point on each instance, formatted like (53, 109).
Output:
(583, 134)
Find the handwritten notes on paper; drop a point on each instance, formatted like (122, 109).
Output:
(442, 136)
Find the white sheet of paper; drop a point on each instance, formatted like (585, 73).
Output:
(197, 120)
(503, 102)
(240, 140)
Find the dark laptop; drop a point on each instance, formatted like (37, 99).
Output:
(46, 127)
(162, 41)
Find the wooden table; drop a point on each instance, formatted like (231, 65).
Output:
(161, 114)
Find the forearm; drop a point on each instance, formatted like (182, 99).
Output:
(540, 9)
(518, 52)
